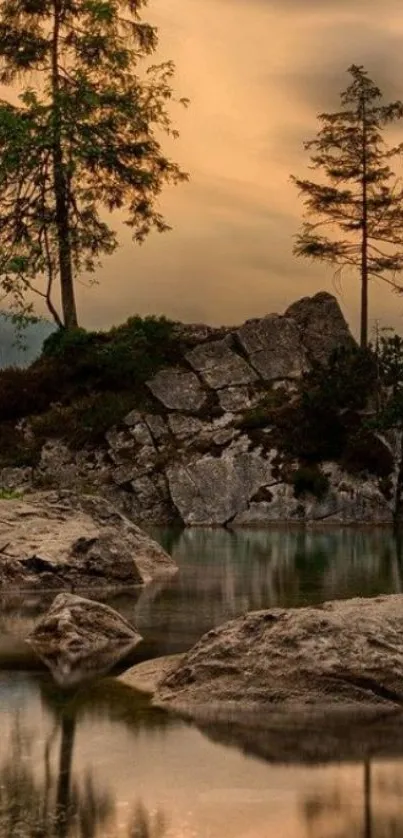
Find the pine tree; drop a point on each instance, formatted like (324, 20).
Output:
(85, 142)
(359, 195)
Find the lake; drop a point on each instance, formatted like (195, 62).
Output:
(102, 763)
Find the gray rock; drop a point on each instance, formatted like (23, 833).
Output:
(322, 324)
(58, 541)
(213, 490)
(236, 399)
(184, 427)
(178, 390)
(122, 446)
(79, 639)
(219, 366)
(157, 428)
(334, 658)
(274, 347)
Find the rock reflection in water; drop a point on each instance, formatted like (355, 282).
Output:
(224, 573)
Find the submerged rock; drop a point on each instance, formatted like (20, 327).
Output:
(61, 541)
(79, 639)
(305, 662)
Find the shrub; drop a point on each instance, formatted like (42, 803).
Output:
(15, 450)
(366, 452)
(85, 422)
(310, 480)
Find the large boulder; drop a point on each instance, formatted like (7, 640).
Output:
(273, 346)
(178, 389)
(322, 324)
(80, 639)
(219, 366)
(213, 490)
(60, 540)
(333, 659)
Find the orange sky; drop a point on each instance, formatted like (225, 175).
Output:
(257, 73)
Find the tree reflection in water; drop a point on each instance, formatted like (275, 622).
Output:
(41, 798)
(335, 815)
(145, 825)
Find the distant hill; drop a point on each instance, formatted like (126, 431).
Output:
(14, 355)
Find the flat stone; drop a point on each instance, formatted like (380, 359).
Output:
(220, 366)
(184, 427)
(146, 676)
(274, 347)
(235, 399)
(178, 390)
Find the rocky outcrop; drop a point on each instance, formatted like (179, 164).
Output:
(200, 453)
(177, 389)
(213, 490)
(321, 325)
(79, 639)
(274, 346)
(58, 541)
(304, 663)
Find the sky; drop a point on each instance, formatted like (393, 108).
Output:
(257, 73)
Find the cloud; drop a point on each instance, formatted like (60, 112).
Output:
(257, 73)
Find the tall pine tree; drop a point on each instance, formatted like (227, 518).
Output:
(84, 142)
(354, 215)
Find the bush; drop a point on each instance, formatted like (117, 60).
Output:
(310, 480)
(366, 452)
(85, 422)
(123, 357)
(24, 392)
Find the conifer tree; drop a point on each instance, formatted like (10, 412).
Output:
(354, 214)
(81, 143)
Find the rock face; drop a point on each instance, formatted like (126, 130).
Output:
(219, 366)
(307, 661)
(177, 389)
(59, 541)
(322, 325)
(215, 489)
(274, 347)
(200, 454)
(79, 639)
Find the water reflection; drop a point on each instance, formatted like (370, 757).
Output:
(101, 763)
(41, 795)
(335, 814)
(223, 574)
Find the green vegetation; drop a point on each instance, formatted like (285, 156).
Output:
(311, 480)
(83, 383)
(358, 196)
(81, 143)
(339, 413)
(10, 494)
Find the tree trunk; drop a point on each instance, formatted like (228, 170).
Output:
(61, 188)
(398, 510)
(68, 729)
(364, 240)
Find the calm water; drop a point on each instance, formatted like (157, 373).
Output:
(101, 763)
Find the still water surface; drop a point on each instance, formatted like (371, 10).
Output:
(103, 764)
